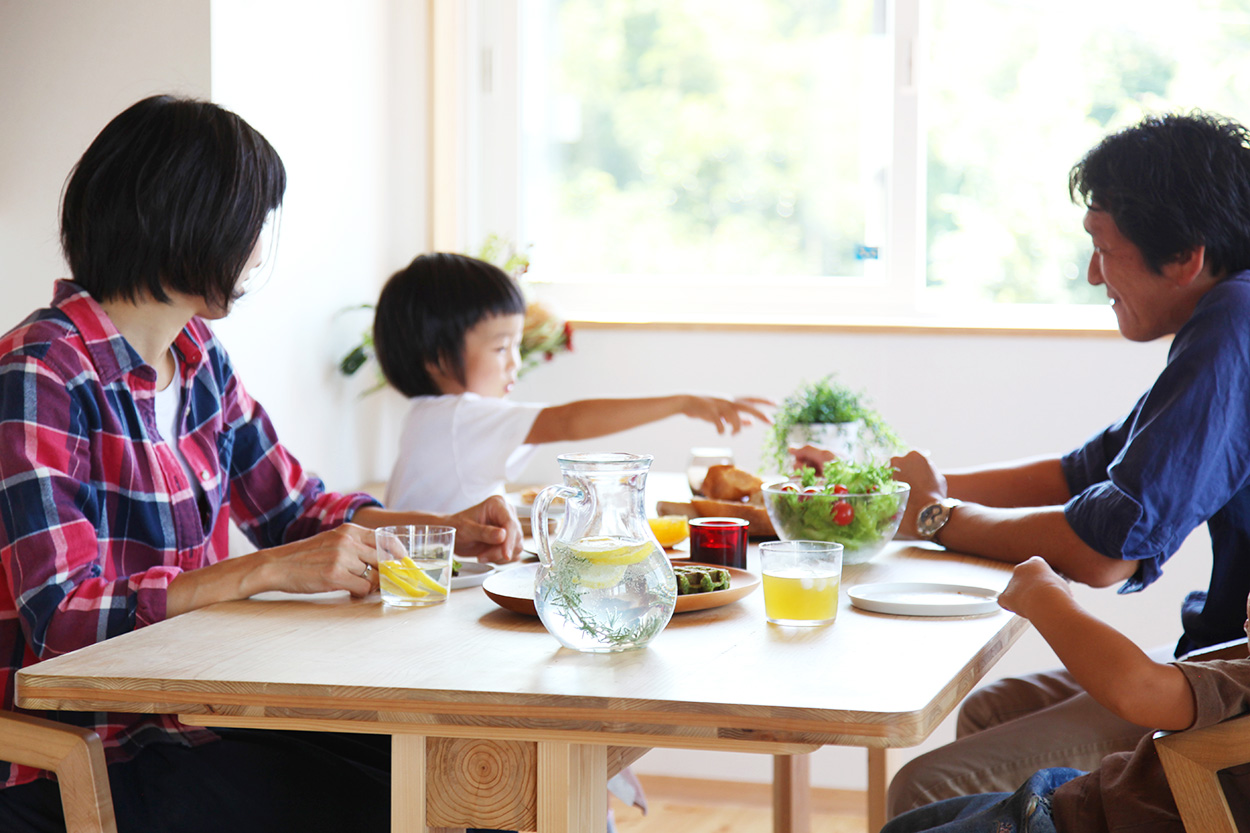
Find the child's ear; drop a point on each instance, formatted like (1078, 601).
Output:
(440, 374)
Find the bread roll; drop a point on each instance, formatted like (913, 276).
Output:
(730, 483)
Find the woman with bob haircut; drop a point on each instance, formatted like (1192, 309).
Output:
(127, 443)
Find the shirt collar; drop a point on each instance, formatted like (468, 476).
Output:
(110, 352)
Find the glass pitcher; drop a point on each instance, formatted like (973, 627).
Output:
(603, 583)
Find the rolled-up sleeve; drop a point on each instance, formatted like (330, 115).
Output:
(1140, 487)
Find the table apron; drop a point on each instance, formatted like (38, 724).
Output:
(758, 744)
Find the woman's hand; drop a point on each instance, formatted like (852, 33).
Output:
(489, 531)
(927, 486)
(731, 413)
(342, 558)
(1031, 582)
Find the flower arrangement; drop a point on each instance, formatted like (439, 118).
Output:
(543, 335)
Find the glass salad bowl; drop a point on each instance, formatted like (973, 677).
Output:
(862, 523)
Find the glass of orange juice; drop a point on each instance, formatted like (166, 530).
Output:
(414, 564)
(801, 581)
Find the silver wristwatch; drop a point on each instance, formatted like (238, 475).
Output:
(933, 517)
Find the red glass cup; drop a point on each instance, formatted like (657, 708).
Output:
(721, 541)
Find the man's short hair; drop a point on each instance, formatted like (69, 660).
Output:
(1172, 183)
(426, 309)
(172, 195)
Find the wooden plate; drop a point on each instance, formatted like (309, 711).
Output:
(513, 589)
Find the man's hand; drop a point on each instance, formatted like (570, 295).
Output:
(1032, 582)
(812, 457)
(489, 531)
(927, 486)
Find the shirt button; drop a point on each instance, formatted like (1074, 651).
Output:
(204, 475)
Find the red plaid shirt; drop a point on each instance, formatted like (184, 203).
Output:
(97, 515)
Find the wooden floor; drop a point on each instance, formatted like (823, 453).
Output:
(681, 805)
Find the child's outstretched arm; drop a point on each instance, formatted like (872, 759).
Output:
(588, 418)
(1115, 672)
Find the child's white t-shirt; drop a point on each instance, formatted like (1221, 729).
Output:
(457, 450)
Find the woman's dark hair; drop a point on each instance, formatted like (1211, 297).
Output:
(171, 195)
(1172, 183)
(426, 309)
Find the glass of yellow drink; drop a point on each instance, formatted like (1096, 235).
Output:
(414, 564)
(801, 581)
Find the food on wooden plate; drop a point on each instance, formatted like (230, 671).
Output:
(700, 578)
(669, 530)
(730, 483)
(755, 516)
(528, 495)
(722, 482)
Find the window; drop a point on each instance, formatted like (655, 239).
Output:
(821, 159)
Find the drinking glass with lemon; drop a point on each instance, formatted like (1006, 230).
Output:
(414, 564)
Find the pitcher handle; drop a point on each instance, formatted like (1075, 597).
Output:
(538, 517)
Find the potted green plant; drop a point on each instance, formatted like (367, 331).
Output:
(828, 414)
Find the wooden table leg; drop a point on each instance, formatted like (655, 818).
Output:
(572, 788)
(792, 792)
(882, 764)
(408, 790)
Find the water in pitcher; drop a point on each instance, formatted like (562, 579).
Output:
(603, 594)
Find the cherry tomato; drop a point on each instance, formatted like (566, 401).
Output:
(843, 513)
(840, 489)
(788, 487)
(808, 491)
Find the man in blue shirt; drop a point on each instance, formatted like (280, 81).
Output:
(1169, 217)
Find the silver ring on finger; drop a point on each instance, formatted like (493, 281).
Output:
(367, 575)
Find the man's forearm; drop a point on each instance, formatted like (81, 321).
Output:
(1015, 535)
(1034, 482)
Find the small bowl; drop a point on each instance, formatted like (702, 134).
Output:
(863, 525)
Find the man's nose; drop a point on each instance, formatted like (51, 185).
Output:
(1093, 274)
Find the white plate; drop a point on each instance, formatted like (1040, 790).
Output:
(522, 508)
(910, 598)
(472, 573)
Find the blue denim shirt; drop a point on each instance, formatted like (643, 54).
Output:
(1181, 457)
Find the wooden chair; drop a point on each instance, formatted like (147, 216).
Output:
(1192, 758)
(75, 755)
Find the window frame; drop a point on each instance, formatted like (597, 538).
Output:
(486, 63)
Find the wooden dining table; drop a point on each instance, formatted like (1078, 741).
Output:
(494, 724)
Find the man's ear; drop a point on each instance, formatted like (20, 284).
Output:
(1187, 267)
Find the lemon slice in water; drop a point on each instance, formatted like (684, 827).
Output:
(405, 578)
(608, 558)
(614, 551)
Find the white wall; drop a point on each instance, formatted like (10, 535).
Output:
(338, 89)
(66, 68)
(340, 94)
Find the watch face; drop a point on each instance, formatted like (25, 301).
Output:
(931, 519)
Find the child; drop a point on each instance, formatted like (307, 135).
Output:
(1129, 791)
(447, 332)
